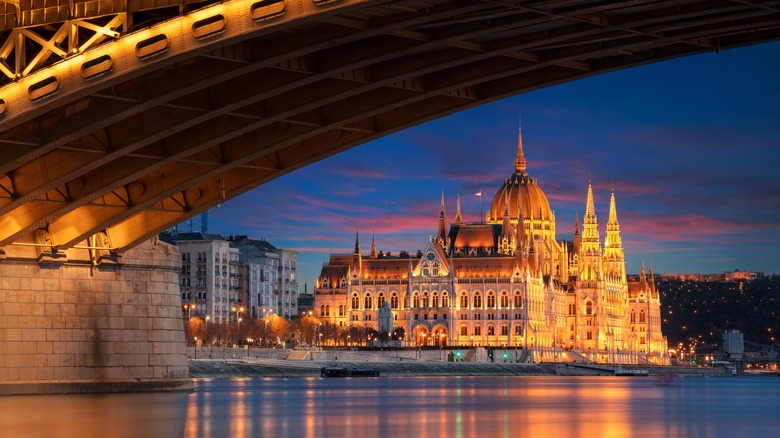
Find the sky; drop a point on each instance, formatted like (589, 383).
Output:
(691, 145)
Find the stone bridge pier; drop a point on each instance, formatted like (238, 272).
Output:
(86, 321)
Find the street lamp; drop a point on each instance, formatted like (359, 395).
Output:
(190, 308)
(196, 347)
(239, 310)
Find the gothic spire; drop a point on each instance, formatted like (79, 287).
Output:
(441, 235)
(373, 246)
(612, 211)
(520, 163)
(357, 242)
(590, 210)
(577, 232)
(458, 217)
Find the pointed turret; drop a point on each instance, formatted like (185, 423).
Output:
(642, 278)
(590, 243)
(652, 280)
(520, 164)
(357, 243)
(441, 235)
(613, 247)
(458, 217)
(505, 240)
(373, 246)
(520, 240)
(357, 258)
(577, 233)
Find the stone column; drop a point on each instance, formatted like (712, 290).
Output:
(69, 326)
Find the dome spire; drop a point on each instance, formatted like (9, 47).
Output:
(520, 164)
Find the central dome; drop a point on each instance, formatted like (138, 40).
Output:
(522, 189)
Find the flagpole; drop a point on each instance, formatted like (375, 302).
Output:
(481, 215)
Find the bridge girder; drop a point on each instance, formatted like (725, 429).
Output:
(132, 153)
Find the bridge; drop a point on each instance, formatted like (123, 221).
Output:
(121, 118)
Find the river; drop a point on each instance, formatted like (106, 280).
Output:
(533, 406)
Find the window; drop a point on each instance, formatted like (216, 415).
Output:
(571, 309)
(518, 300)
(590, 335)
(504, 300)
(435, 300)
(355, 302)
(589, 308)
(341, 310)
(394, 300)
(477, 330)
(491, 330)
(425, 300)
(464, 301)
(491, 300)
(327, 310)
(415, 300)
(464, 330)
(322, 310)
(633, 316)
(477, 300)
(504, 330)
(642, 316)
(445, 300)
(368, 302)
(518, 330)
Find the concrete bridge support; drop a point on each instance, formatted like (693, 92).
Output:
(75, 322)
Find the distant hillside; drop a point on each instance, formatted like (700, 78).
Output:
(704, 310)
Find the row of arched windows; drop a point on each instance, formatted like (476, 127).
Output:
(491, 330)
(490, 301)
(436, 299)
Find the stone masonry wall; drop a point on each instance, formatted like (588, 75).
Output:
(74, 327)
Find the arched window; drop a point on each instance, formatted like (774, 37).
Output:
(368, 302)
(424, 300)
(355, 302)
(642, 316)
(571, 309)
(435, 300)
(394, 300)
(504, 330)
(425, 270)
(341, 310)
(435, 270)
(322, 310)
(477, 300)
(589, 308)
(464, 301)
(590, 335)
(504, 299)
(633, 316)
(518, 329)
(477, 330)
(491, 330)
(445, 299)
(518, 300)
(380, 299)
(491, 300)
(415, 300)
(464, 330)
(327, 310)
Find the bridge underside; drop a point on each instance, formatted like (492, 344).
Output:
(112, 161)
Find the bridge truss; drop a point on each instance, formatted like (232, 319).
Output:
(121, 119)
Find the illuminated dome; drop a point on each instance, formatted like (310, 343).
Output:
(531, 196)
(525, 189)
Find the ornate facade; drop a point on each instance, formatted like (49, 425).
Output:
(506, 283)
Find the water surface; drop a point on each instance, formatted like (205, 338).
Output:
(539, 406)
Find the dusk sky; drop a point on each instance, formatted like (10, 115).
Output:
(691, 145)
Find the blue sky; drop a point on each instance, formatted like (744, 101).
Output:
(692, 146)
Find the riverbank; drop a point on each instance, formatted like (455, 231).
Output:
(226, 369)
(236, 368)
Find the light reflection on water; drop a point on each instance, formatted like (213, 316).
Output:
(413, 406)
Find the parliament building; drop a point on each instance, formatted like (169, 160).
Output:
(506, 283)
